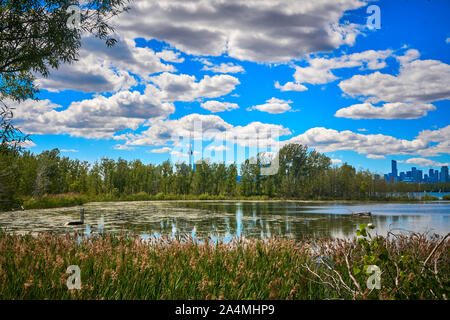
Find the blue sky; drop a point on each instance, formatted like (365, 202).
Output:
(312, 73)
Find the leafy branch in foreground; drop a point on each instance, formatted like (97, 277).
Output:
(411, 267)
(34, 38)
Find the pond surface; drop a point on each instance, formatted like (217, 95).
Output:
(225, 220)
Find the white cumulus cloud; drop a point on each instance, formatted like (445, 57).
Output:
(273, 106)
(185, 87)
(420, 81)
(254, 30)
(290, 86)
(99, 117)
(103, 69)
(394, 110)
(218, 106)
(376, 146)
(423, 162)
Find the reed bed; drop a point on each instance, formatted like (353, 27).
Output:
(55, 201)
(120, 266)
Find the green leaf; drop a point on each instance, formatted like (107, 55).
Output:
(356, 270)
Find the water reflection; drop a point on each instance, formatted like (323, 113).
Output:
(226, 220)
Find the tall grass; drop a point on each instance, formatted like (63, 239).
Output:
(143, 196)
(55, 201)
(127, 267)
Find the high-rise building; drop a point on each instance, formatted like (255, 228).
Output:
(394, 168)
(414, 173)
(444, 174)
(419, 176)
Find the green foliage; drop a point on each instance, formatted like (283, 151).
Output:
(8, 178)
(404, 270)
(35, 37)
(307, 176)
(446, 197)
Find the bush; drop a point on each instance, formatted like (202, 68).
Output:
(446, 197)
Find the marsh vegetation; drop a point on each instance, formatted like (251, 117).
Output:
(123, 266)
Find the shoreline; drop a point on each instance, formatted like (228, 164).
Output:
(277, 200)
(78, 204)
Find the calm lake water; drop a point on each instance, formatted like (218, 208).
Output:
(225, 220)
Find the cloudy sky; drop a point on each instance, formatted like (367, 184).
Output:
(240, 76)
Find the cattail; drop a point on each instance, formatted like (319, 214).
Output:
(28, 284)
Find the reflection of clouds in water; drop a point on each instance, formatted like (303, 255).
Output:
(174, 230)
(238, 222)
(227, 224)
(422, 224)
(101, 224)
(87, 230)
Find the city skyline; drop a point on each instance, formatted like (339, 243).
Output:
(415, 175)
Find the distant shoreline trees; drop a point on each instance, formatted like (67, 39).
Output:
(301, 174)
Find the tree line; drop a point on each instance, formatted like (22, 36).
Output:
(300, 174)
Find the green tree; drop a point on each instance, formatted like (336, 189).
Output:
(246, 178)
(292, 170)
(166, 177)
(183, 178)
(203, 178)
(35, 37)
(231, 184)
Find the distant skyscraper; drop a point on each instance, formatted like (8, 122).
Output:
(444, 174)
(431, 175)
(394, 168)
(414, 173)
